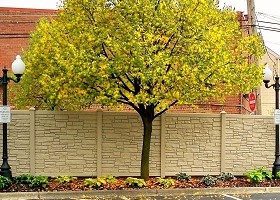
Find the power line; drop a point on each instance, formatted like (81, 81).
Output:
(272, 17)
(274, 64)
(267, 14)
(268, 28)
(269, 22)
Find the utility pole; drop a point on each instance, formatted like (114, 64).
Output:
(251, 16)
(253, 30)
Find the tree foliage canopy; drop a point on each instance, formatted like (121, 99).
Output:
(148, 52)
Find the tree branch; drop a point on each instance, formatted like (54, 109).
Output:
(169, 40)
(164, 110)
(171, 52)
(125, 100)
(168, 68)
(137, 86)
(107, 52)
(156, 104)
(124, 85)
(128, 78)
(90, 15)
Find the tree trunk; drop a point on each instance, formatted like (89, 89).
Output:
(147, 123)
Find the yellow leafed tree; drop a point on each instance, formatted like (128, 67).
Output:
(148, 54)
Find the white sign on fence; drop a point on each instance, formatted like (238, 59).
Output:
(277, 116)
(5, 114)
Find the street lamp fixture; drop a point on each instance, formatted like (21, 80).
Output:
(18, 68)
(267, 76)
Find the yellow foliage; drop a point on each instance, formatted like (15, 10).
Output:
(139, 52)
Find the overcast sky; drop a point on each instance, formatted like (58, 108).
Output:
(267, 11)
(52, 4)
(41, 4)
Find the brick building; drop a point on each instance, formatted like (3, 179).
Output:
(16, 24)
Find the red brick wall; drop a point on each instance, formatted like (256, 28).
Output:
(17, 23)
(15, 26)
(231, 105)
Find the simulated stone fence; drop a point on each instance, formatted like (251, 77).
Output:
(102, 143)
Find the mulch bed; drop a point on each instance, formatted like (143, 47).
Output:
(152, 183)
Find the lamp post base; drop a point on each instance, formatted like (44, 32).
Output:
(276, 167)
(6, 173)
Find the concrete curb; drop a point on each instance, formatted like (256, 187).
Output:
(134, 193)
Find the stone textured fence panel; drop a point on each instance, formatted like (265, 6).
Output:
(19, 142)
(249, 141)
(101, 143)
(122, 144)
(193, 144)
(65, 143)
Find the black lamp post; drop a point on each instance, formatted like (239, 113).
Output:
(18, 68)
(267, 76)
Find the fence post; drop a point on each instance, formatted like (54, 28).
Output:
(32, 147)
(223, 135)
(162, 145)
(99, 121)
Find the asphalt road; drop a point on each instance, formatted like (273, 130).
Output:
(268, 196)
(250, 193)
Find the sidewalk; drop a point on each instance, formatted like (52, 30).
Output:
(134, 193)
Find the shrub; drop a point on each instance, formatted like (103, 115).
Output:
(110, 179)
(166, 182)
(209, 180)
(95, 182)
(258, 175)
(266, 174)
(255, 176)
(99, 182)
(135, 182)
(277, 175)
(65, 179)
(225, 176)
(4, 182)
(40, 182)
(24, 179)
(183, 177)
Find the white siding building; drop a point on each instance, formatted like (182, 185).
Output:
(268, 95)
